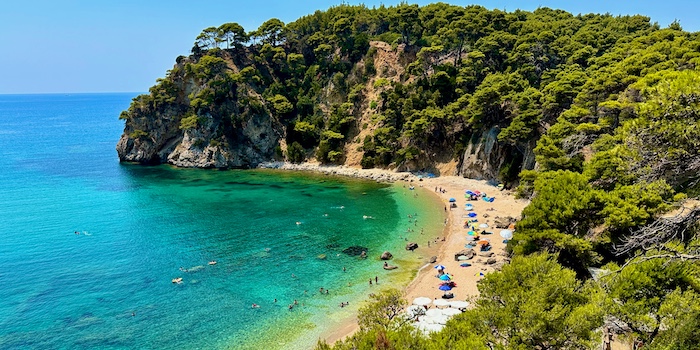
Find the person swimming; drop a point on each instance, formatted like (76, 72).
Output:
(255, 306)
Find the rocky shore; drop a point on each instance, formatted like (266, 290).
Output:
(378, 175)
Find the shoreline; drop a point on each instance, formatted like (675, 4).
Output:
(453, 237)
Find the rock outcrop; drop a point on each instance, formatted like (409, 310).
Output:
(485, 156)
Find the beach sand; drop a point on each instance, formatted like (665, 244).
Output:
(426, 283)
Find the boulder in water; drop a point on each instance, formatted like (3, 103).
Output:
(412, 246)
(386, 256)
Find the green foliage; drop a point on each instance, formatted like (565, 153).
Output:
(296, 153)
(383, 310)
(280, 104)
(136, 134)
(189, 122)
(535, 303)
(646, 295)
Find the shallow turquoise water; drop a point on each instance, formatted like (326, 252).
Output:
(110, 286)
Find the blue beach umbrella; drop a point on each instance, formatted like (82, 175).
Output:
(452, 200)
(440, 267)
(445, 287)
(445, 277)
(472, 215)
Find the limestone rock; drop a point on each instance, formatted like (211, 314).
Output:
(432, 260)
(386, 256)
(485, 254)
(411, 246)
(490, 261)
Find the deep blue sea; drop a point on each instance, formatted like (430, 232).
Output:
(110, 285)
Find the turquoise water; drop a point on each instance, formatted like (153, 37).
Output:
(110, 285)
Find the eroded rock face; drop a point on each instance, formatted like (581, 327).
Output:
(150, 136)
(485, 155)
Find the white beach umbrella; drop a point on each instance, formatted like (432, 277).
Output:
(422, 301)
(433, 312)
(431, 327)
(506, 234)
(458, 304)
(441, 302)
(415, 310)
(451, 311)
(484, 226)
(442, 319)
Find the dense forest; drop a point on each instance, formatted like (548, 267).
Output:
(595, 117)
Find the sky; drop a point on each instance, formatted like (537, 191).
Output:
(73, 46)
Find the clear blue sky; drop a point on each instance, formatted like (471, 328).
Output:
(51, 46)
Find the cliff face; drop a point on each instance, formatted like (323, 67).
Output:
(224, 134)
(485, 157)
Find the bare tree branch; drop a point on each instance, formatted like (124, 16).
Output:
(661, 231)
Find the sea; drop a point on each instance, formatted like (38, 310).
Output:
(89, 247)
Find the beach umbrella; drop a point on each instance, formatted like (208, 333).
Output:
(468, 207)
(437, 320)
(451, 311)
(440, 267)
(458, 304)
(427, 328)
(433, 313)
(430, 328)
(452, 200)
(506, 234)
(484, 226)
(483, 241)
(445, 277)
(472, 215)
(444, 287)
(415, 310)
(469, 192)
(422, 301)
(441, 302)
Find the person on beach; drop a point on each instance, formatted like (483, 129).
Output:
(376, 280)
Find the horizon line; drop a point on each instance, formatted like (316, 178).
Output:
(72, 93)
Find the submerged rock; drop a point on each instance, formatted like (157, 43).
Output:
(355, 250)
(411, 246)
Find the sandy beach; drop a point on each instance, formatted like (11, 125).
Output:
(453, 239)
(426, 283)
